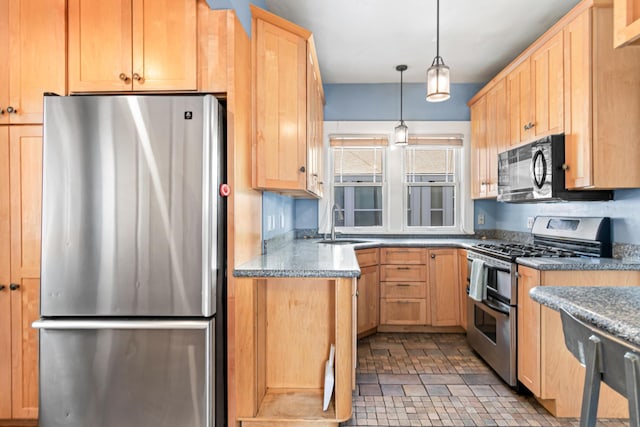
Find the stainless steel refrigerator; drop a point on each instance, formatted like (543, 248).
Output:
(133, 262)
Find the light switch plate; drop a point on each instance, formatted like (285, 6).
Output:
(480, 219)
(530, 222)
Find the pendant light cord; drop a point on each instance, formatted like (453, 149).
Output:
(401, 96)
(437, 28)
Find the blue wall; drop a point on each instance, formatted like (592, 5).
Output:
(241, 7)
(353, 102)
(624, 212)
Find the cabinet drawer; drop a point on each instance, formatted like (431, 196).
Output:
(403, 273)
(403, 290)
(403, 256)
(403, 311)
(367, 257)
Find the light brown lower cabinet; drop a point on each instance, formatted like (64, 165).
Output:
(404, 311)
(443, 287)
(368, 294)
(545, 366)
(462, 286)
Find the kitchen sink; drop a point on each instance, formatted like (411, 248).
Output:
(340, 242)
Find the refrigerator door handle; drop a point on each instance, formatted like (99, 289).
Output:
(209, 205)
(121, 324)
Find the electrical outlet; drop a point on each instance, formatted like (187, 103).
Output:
(271, 223)
(281, 220)
(530, 222)
(480, 219)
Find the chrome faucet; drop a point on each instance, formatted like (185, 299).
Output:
(335, 209)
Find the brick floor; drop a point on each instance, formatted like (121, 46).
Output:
(436, 380)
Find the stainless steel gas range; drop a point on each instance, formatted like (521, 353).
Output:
(492, 328)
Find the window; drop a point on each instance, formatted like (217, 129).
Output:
(358, 179)
(430, 185)
(378, 188)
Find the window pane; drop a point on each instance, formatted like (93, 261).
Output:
(361, 206)
(338, 198)
(357, 164)
(429, 164)
(368, 218)
(429, 206)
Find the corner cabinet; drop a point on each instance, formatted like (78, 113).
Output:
(545, 366)
(287, 105)
(32, 34)
(132, 45)
(20, 209)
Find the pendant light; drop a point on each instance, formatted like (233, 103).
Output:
(438, 73)
(402, 131)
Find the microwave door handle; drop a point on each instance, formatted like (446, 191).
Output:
(539, 157)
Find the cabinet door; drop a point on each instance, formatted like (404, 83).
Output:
(443, 283)
(37, 63)
(626, 21)
(368, 300)
(462, 286)
(519, 99)
(548, 87)
(4, 60)
(314, 130)
(26, 193)
(496, 131)
(578, 117)
(5, 277)
(164, 45)
(479, 148)
(99, 45)
(280, 99)
(403, 312)
(528, 330)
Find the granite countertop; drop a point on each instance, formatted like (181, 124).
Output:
(580, 263)
(613, 309)
(309, 258)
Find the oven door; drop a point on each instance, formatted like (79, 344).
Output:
(491, 332)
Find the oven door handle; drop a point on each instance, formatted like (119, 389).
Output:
(495, 307)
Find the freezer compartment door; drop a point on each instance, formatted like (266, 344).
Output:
(126, 374)
(130, 206)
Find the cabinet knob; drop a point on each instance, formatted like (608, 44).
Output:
(10, 110)
(565, 167)
(357, 294)
(303, 169)
(2, 287)
(137, 77)
(433, 256)
(14, 286)
(1, 111)
(123, 77)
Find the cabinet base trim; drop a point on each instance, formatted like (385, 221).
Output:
(421, 328)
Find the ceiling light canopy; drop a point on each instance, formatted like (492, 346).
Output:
(401, 131)
(438, 74)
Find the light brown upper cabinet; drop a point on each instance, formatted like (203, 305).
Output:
(573, 80)
(547, 79)
(479, 148)
(602, 95)
(489, 136)
(626, 22)
(315, 123)
(519, 98)
(32, 57)
(287, 83)
(137, 45)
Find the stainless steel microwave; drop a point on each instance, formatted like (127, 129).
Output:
(534, 173)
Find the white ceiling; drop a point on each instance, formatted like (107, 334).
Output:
(361, 41)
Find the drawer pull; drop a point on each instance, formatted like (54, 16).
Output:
(403, 302)
(403, 268)
(403, 284)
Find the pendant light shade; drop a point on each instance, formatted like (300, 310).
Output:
(401, 131)
(438, 74)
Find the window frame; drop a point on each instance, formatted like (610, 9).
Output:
(394, 224)
(456, 186)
